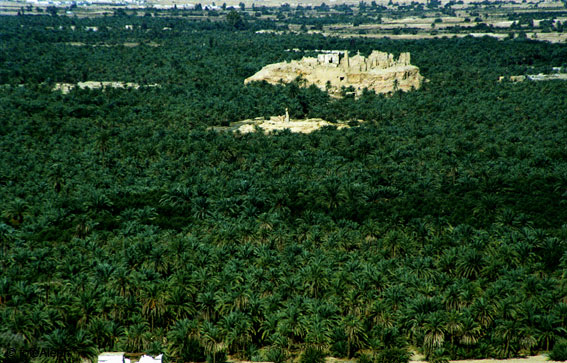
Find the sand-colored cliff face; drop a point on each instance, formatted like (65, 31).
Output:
(332, 70)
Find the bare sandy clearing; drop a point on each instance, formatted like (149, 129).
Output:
(280, 123)
(126, 44)
(277, 123)
(67, 87)
(549, 37)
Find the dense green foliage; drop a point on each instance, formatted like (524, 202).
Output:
(559, 352)
(438, 224)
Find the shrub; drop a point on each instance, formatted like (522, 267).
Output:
(312, 355)
(365, 358)
(339, 349)
(276, 355)
(393, 355)
(559, 351)
(439, 356)
(217, 357)
(250, 352)
(193, 351)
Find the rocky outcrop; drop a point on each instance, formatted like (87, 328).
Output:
(333, 70)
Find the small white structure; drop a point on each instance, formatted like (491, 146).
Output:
(328, 58)
(149, 359)
(113, 357)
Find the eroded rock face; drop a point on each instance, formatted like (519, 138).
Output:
(332, 70)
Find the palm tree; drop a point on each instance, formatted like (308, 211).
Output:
(122, 281)
(435, 329)
(451, 296)
(454, 325)
(200, 207)
(84, 225)
(7, 235)
(101, 331)
(237, 330)
(18, 327)
(395, 241)
(178, 303)
(88, 306)
(549, 330)
(508, 331)
(381, 314)
(211, 339)
(57, 176)
(314, 277)
(154, 302)
(483, 311)
(395, 296)
(178, 199)
(527, 339)
(354, 330)
(16, 211)
(471, 331)
(102, 142)
(507, 308)
(289, 286)
(269, 326)
(332, 193)
(207, 300)
(135, 336)
(97, 203)
(560, 310)
(470, 263)
(183, 345)
(117, 307)
(67, 347)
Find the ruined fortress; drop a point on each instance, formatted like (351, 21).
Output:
(335, 69)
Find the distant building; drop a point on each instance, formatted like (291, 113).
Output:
(331, 57)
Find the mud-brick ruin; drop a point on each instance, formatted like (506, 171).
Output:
(332, 70)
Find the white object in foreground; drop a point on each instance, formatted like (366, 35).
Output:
(149, 359)
(115, 357)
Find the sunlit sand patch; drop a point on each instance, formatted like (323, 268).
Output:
(67, 87)
(280, 123)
